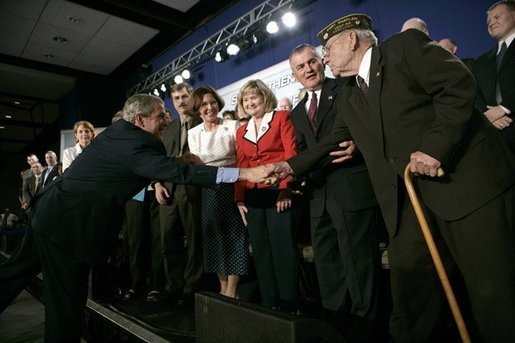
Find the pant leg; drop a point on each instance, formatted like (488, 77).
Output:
(285, 257)
(172, 246)
(19, 270)
(65, 286)
(483, 245)
(136, 224)
(157, 276)
(191, 217)
(262, 255)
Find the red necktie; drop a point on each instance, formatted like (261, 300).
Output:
(312, 111)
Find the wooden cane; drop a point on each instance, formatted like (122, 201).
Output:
(435, 255)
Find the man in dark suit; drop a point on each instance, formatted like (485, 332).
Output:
(51, 171)
(32, 184)
(495, 71)
(344, 213)
(180, 214)
(410, 102)
(74, 220)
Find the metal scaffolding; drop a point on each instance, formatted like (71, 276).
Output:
(207, 49)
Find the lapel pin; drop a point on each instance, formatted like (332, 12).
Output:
(263, 129)
(330, 97)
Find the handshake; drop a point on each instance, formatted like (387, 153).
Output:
(269, 174)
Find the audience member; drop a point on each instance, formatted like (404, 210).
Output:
(495, 71)
(180, 215)
(8, 220)
(345, 217)
(449, 45)
(415, 23)
(33, 184)
(84, 132)
(75, 219)
(397, 118)
(224, 235)
(284, 104)
(267, 212)
(168, 116)
(26, 173)
(51, 171)
(229, 114)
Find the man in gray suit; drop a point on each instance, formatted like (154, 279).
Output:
(180, 215)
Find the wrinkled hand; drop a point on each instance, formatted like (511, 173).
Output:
(258, 174)
(243, 212)
(283, 200)
(190, 158)
(349, 148)
(423, 164)
(280, 169)
(502, 122)
(162, 194)
(494, 112)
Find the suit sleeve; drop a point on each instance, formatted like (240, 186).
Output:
(149, 161)
(452, 89)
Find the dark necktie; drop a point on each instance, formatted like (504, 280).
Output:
(362, 85)
(184, 136)
(312, 111)
(498, 61)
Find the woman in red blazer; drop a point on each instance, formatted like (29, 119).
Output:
(267, 210)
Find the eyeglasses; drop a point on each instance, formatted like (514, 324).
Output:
(327, 49)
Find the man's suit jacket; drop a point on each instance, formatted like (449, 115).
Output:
(420, 98)
(172, 143)
(487, 76)
(54, 173)
(347, 184)
(29, 188)
(81, 211)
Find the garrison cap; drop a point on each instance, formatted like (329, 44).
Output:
(348, 22)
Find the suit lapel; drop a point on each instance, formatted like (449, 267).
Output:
(374, 94)
(327, 97)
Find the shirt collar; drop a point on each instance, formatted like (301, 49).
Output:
(508, 41)
(364, 67)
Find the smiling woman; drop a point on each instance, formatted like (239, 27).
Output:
(84, 132)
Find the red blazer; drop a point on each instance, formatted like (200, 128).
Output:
(274, 141)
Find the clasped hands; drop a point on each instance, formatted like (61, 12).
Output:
(274, 172)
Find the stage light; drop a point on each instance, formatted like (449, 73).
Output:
(233, 49)
(163, 88)
(221, 56)
(258, 36)
(289, 19)
(178, 79)
(186, 74)
(272, 27)
(156, 92)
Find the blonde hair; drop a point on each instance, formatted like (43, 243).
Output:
(257, 87)
(86, 124)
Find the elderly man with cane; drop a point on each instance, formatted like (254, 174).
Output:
(411, 102)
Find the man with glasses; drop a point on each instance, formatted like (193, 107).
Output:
(409, 102)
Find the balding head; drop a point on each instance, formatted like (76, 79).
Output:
(415, 23)
(449, 45)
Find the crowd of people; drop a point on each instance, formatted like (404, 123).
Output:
(221, 193)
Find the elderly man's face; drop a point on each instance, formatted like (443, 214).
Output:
(307, 68)
(339, 55)
(36, 168)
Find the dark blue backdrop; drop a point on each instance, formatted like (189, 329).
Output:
(463, 20)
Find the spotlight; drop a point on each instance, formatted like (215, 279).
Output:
(156, 92)
(163, 88)
(289, 19)
(178, 79)
(186, 74)
(258, 37)
(221, 56)
(272, 27)
(233, 49)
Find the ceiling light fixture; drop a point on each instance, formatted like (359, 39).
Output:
(156, 92)
(233, 49)
(272, 27)
(178, 79)
(163, 88)
(17, 103)
(186, 74)
(221, 56)
(8, 116)
(289, 20)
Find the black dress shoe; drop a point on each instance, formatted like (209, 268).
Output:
(186, 299)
